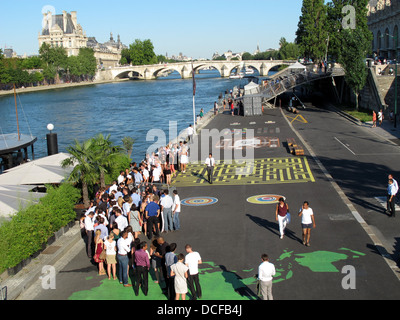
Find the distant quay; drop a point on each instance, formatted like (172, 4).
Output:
(58, 86)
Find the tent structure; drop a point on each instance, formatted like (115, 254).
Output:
(14, 198)
(46, 170)
(297, 67)
(16, 183)
(251, 88)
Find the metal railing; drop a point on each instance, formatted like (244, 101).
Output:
(274, 88)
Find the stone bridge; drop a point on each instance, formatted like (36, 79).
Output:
(151, 72)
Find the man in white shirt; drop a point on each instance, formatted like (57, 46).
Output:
(192, 261)
(113, 187)
(89, 227)
(190, 132)
(166, 208)
(124, 247)
(157, 171)
(121, 178)
(391, 205)
(266, 271)
(210, 163)
(176, 211)
(120, 219)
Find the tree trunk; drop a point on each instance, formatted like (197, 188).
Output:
(102, 180)
(85, 195)
(357, 95)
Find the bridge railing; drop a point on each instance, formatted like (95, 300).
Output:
(290, 80)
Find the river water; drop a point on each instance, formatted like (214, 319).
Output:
(120, 109)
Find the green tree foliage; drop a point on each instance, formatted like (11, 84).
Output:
(312, 33)
(350, 46)
(139, 53)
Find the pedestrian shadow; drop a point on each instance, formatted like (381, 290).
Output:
(237, 284)
(273, 227)
(199, 175)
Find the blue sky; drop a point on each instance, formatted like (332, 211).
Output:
(195, 28)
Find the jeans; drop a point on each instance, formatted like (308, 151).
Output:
(177, 223)
(167, 213)
(123, 262)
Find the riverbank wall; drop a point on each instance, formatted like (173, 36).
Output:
(57, 86)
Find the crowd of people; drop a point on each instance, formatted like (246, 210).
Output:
(132, 205)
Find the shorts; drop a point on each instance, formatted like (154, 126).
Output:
(184, 159)
(306, 226)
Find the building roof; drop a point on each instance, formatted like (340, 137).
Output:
(9, 142)
(58, 20)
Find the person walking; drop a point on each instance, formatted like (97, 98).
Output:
(142, 263)
(391, 202)
(210, 163)
(281, 215)
(307, 222)
(373, 119)
(192, 261)
(266, 270)
(380, 117)
(179, 272)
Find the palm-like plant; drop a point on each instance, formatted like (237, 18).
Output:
(84, 170)
(104, 155)
(128, 142)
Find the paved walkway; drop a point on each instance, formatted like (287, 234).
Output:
(232, 223)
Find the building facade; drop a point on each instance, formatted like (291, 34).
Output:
(63, 30)
(384, 22)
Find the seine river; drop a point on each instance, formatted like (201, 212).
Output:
(130, 108)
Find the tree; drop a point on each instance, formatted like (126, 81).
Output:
(54, 58)
(127, 143)
(311, 35)
(87, 61)
(139, 53)
(350, 45)
(104, 153)
(84, 171)
(288, 50)
(352, 59)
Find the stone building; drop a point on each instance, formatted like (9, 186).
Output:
(384, 22)
(64, 31)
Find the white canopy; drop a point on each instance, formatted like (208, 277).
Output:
(297, 65)
(37, 172)
(14, 198)
(251, 88)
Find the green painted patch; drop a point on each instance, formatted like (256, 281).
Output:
(219, 283)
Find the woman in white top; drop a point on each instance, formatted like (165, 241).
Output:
(111, 250)
(307, 222)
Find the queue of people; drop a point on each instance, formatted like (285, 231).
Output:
(112, 226)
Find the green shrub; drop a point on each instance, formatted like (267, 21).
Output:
(31, 227)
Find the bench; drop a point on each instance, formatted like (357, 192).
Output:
(294, 148)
